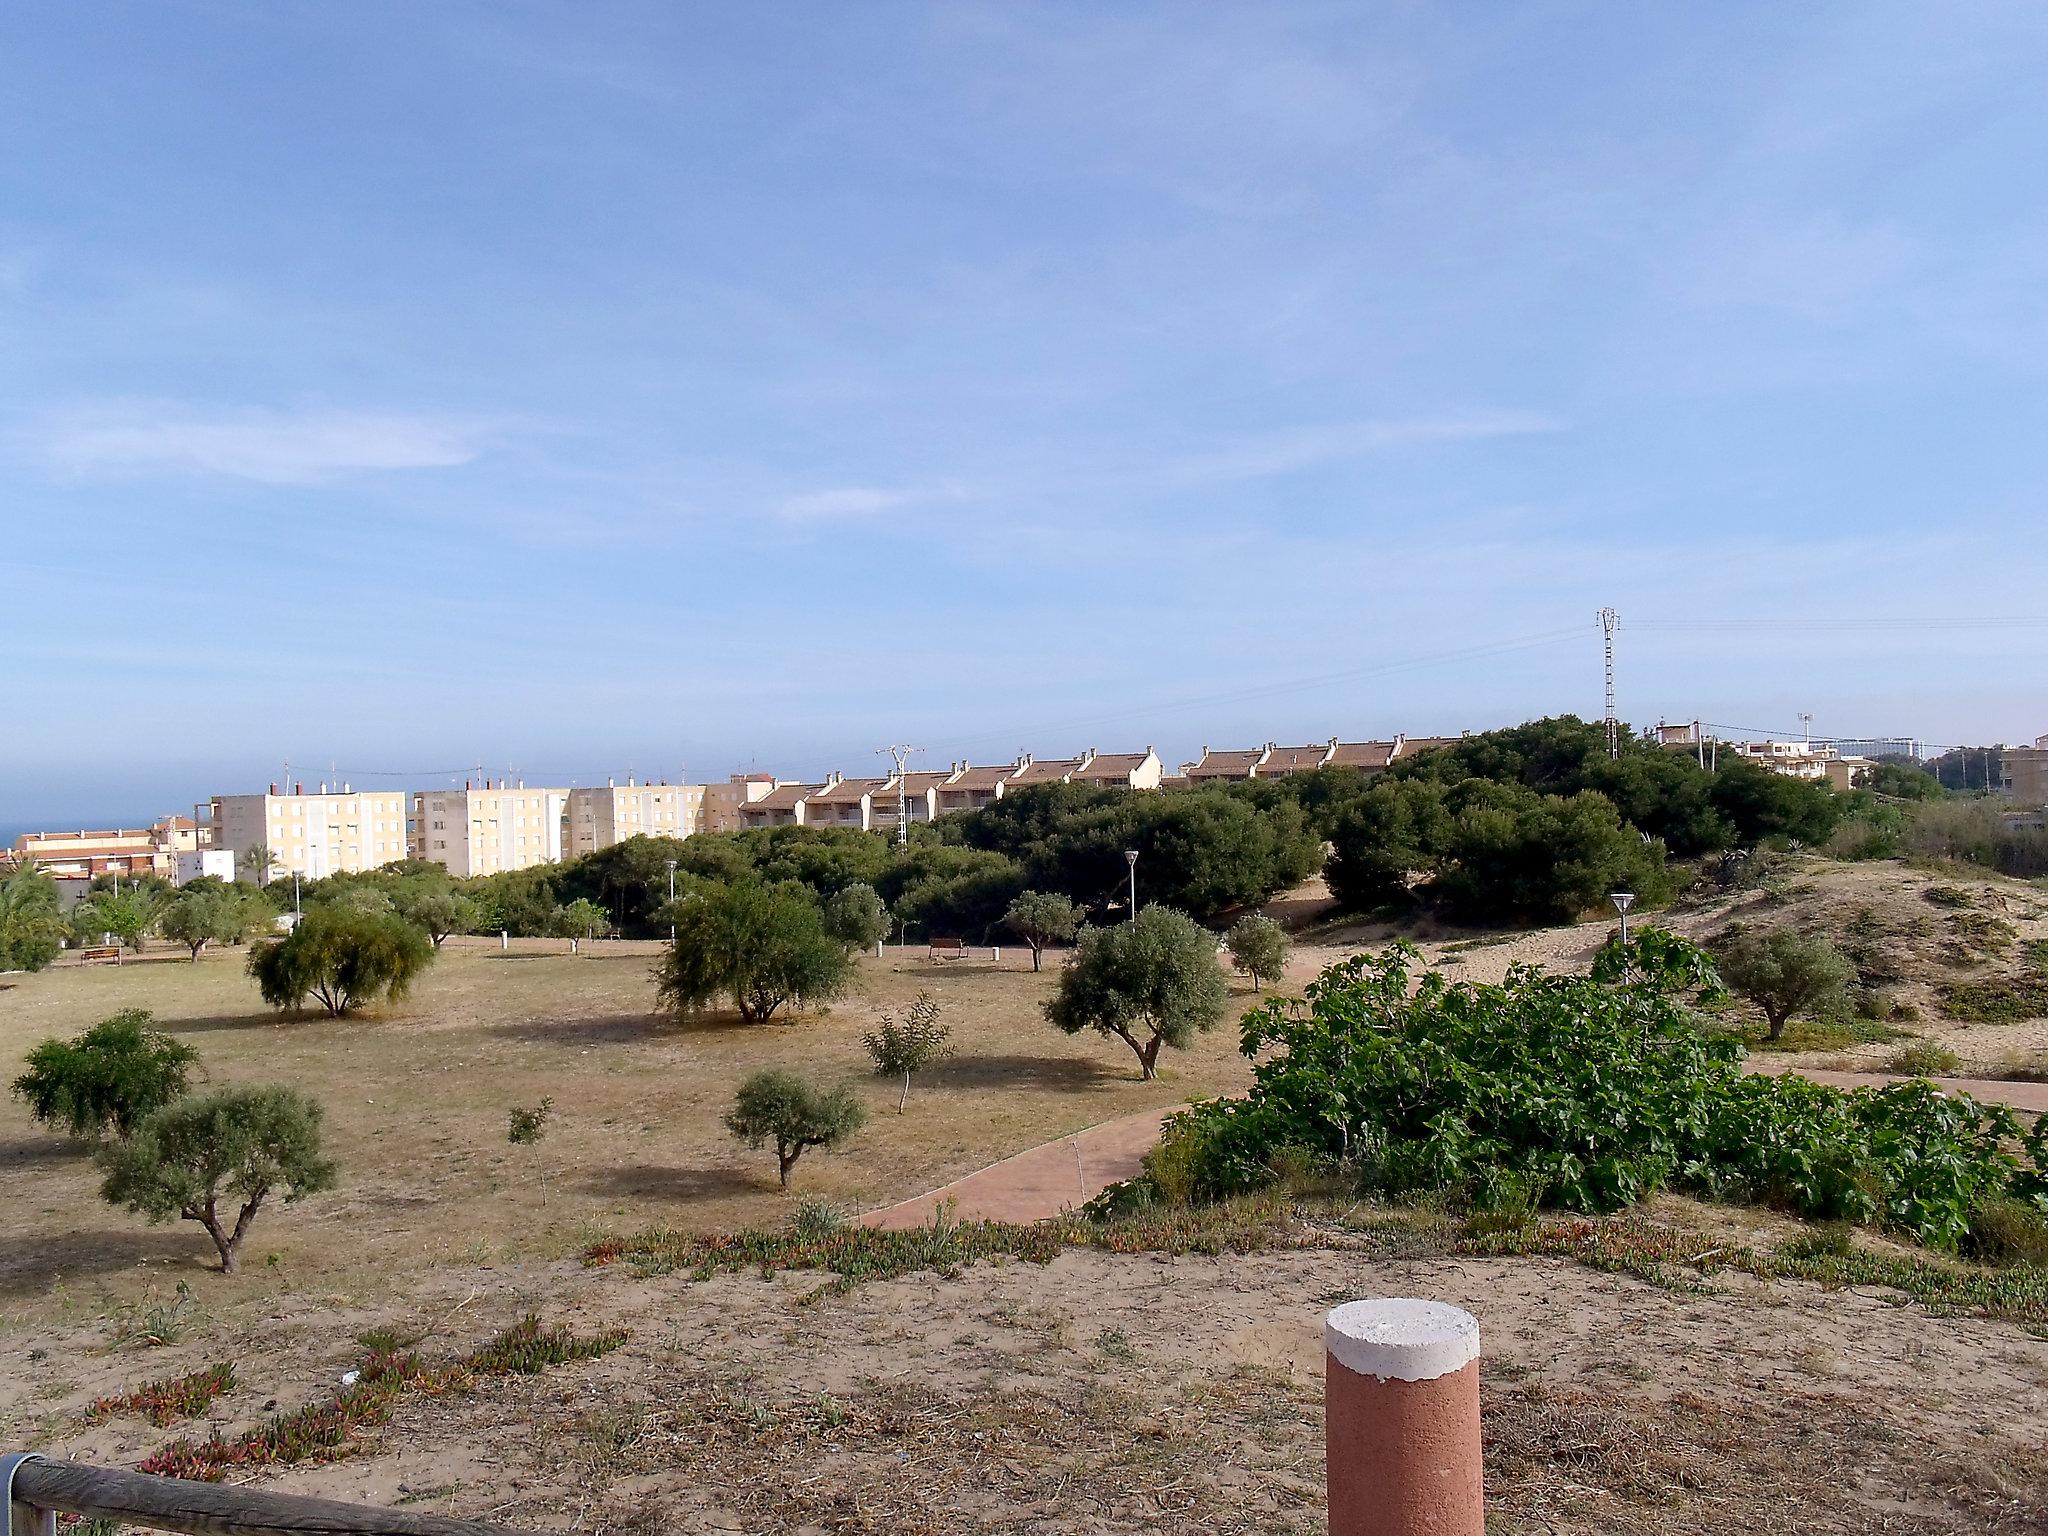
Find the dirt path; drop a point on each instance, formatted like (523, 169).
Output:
(1048, 1179)
(2030, 1097)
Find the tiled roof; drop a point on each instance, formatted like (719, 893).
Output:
(1415, 744)
(1113, 765)
(1293, 759)
(1045, 772)
(917, 783)
(846, 792)
(1226, 765)
(981, 778)
(1362, 754)
(783, 798)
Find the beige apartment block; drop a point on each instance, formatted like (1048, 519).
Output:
(329, 832)
(723, 803)
(2026, 774)
(487, 830)
(603, 815)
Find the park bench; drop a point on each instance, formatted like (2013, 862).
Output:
(101, 954)
(947, 949)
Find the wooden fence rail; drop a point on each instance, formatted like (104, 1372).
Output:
(42, 1489)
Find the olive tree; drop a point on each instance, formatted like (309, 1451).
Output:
(1040, 918)
(108, 1079)
(857, 916)
(435, 907)
(761, 945)
(343, 958)
(1258, 947)
(910, 1044)
(1150, 982)
(206, 914)
(232, 1148)
(1784, 972)
(794, 1114)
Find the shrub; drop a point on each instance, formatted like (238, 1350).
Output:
(2008, 1231)
(857, 916)
(1149, 982)
(1040, 918)
(900, 1048)
(346, 959)
(1258, 947)
(2000, 1000)
(236, 1145)
(781, 1107)
(1784, 972)
(1923, 1058)
(762, 946)
(1596, 1094)
(107, 1080)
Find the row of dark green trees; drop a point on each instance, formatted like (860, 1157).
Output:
(1532, 824)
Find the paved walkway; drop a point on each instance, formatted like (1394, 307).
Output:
(1070, 1172)
(1042, 1182)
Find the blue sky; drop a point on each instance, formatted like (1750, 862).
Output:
(694, 388)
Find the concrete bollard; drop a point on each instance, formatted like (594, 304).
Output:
(1401, 1420)
(504, 938)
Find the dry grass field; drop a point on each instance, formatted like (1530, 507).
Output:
(1102, 1392)
(417, 1097)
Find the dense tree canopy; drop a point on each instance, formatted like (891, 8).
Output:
(344, 958)
(32, 925)
(1150, 982)
(233, 1148)
(107, 1080)
(761, 945)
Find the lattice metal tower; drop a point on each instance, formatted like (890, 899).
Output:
(1610, 621)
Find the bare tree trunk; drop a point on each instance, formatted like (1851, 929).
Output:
(904, 1102)
(1037, 955)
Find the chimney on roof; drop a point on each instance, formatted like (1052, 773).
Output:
(299, 787)
(611, 783)
(273, 789)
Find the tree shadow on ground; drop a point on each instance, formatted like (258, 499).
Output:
(31, 1268)
(1066, 1074)
(43, 1152)
(616, 1028)
(649, 1181)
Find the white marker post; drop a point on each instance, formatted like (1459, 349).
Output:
(1401, 1420)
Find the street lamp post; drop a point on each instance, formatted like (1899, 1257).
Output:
(671, 898)
(1623, 900)
(1131, 858)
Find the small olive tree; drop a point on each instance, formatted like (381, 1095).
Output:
(761, 945)
(1258, 946)
(857, 916)
(343, 958)
(781, 1107)
(1784, 972)
(1040, 918)
(199, 1158)
(107, 1080)
(435, 907)
(1150, 982)
(206, 914)
(910, 1044)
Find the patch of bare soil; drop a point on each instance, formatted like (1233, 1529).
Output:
(1128, 1393)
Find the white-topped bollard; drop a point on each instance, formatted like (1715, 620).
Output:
(1401, 1420)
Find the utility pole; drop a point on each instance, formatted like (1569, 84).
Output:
(900, 755)
(1609, 622)
(1806, 726)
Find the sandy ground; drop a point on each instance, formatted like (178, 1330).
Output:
(1108, 1393)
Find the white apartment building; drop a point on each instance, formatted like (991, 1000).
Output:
(485, 831)
(201, 863)
(329, 832)
(603, 815)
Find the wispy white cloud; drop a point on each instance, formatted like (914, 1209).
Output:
(1294, 448)
(848, 502)
(275, 447)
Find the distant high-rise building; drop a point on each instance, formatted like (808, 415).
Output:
(489, 829)
(333, 831)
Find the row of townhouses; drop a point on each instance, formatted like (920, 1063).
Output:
(493, 825)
